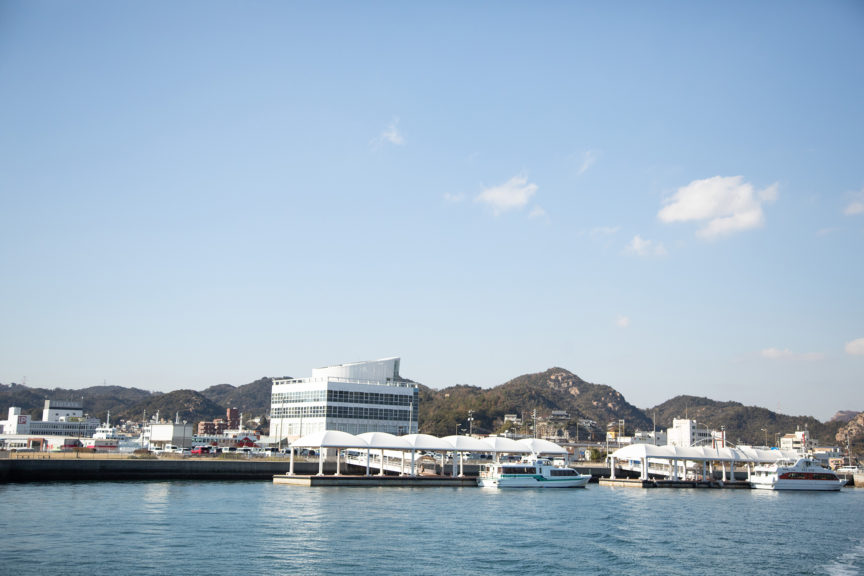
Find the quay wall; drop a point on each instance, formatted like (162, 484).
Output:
(72, 470)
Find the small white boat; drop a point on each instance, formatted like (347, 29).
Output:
(803, 474)
(533, 473)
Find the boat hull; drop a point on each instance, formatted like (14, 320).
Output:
(579, 481)
(818, 485)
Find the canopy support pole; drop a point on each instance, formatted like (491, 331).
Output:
(338, 461)
(291, 462)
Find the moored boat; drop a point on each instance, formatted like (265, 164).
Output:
(530, 473)
(801, 474)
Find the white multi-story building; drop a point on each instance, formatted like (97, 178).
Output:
(355, 398)
(800, 442)
(686, 433)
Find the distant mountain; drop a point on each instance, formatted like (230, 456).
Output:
(98, 400)
(744, 424)
(443, 411)
(188, 405)
(251, 399)
(844, 416)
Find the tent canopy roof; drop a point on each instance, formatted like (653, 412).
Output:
(383, 440)
(640, 451)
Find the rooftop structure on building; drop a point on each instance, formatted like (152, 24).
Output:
(356, 398)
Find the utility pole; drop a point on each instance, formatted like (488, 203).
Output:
(470, 422)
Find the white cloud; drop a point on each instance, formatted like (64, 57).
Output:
(856, 205)
(604, 231)
(855, 347)
(537, 212)
(391, 135)
(642, 247)
(777, 354)
(454, 198)
(512, 195)
(622, 321)
(727, 203)
(588, 160)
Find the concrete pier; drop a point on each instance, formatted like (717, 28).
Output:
(375, 481)
(95, 469)
(662, 483)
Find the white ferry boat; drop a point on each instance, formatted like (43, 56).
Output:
(536, 473)
(803, 474)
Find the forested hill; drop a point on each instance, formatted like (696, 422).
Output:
(442, 411)
(744, 424)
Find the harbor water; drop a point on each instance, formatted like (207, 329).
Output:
(255, 527)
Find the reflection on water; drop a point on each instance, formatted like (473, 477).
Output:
(257, 527)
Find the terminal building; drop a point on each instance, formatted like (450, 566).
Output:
(63, 421)
(59, 418)
(355, 398)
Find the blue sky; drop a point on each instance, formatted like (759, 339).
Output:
(664, 197)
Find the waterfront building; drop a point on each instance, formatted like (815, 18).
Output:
(59, 418)
(355, 398)
(686, 433)
(160, 435)
(655, 437)
(219, 426)
(801, 442)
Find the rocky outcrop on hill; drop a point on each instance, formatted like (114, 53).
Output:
(853, 429)
(843, 416)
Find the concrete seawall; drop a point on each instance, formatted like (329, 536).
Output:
(72, 470)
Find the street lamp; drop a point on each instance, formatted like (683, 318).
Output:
(470, 422)
(765, 430)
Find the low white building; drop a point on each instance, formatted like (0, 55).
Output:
(170, 434)
(59, 418)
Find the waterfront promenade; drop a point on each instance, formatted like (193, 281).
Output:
(41, 467)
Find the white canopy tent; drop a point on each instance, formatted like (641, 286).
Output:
(539, 446)
(498, 444)
(427, 442)
(641, 453)
(462, 444)
(413, 442)
(384, 441)
(326, 439)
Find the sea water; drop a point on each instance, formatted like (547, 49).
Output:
(229, 528)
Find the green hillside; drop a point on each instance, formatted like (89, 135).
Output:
(744, 424)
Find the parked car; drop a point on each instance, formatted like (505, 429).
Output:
(199, 450)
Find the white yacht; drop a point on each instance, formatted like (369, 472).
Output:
(800, 474)
(531, 473)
